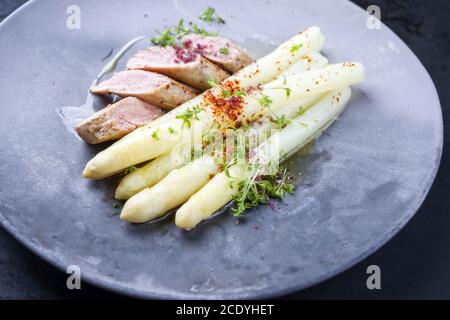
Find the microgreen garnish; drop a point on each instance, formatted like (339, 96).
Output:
(295, 47)
(155, 135)
(288, 90)
(202, 31)
(258, 189)
(239, 94)
(129, 170)
(117, 205)
(224, 51)
(169, 36)
(212, 82)
(301, 111)
(166, 38)
(171, 130)
(210, 15)
(189, 114)
(265, 102)
(226, 93)
(281, 122)
(195, 154)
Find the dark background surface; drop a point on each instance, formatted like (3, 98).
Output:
(414, 265)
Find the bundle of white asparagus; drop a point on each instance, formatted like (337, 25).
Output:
(287, 98)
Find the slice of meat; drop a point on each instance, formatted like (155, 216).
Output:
(221, 51)
(151, 87)
(117, 120)
(178, 63)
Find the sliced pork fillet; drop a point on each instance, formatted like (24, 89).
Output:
(117, 120)
(151, 87)
(178, 63)
(221, 51)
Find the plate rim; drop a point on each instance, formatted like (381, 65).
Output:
(118, 288)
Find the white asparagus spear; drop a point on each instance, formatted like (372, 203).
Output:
(151, 173)
(305, 84)
(311, 61)
(269, 67)
(154, 202)
(140, 148)
(221, 189)
(180, 184)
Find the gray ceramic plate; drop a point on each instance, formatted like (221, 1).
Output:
(361, 183)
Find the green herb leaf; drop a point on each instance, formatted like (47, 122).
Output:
(155, 134)
(201, 31)
(295, 47)
(210, 16)
(117, 205)
(288, 90)
(212, 82)
(188, 115)
(129, 170)
(171, 130)
(239, 94)
(224, 51)
(207, 15)
(226, 93)
(265, 102)
(301, 111)
(195, 154)
(165, 38)
(281, 122)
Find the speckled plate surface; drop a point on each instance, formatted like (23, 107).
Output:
(361, 182)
